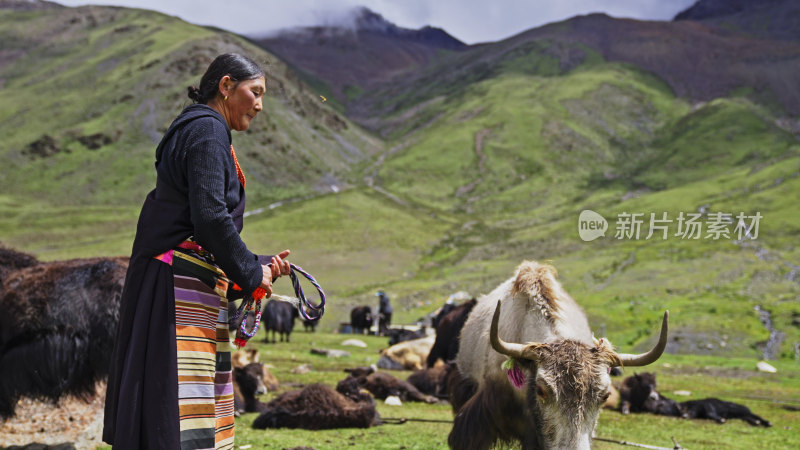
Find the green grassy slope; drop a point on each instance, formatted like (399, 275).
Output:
(610, 139)
(87, 92)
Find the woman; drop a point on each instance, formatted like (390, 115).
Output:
(170, 378)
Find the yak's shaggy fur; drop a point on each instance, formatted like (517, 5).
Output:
(565, 369)
(58, 325)
(639, 394)
(434, 380)
(382, 385)
(319, 407)
(250, 381)
(448, 332)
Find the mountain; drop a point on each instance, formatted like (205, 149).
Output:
(769, 19)
(29, 5)
(344, 60)
(87, 92)
(698, 61)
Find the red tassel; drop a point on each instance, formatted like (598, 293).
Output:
(259, 294)
(239, 342)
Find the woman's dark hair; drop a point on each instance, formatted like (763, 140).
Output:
(238, 67)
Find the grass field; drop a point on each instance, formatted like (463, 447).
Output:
(732, 379)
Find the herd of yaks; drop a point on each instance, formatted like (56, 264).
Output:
(519, 364)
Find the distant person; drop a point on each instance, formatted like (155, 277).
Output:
(384, 313)
(170, 383)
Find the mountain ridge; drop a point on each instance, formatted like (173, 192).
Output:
(699, 61)
(346, 60)
(767, 19)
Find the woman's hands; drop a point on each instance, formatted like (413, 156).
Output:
(277, 267)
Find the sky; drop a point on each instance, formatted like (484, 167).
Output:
(471, 21)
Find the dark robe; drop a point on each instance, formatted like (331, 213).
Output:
(197, 194)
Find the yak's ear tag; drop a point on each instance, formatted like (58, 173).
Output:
(515, 374)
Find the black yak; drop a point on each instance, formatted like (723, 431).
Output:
(278, 317)
(58, 325)
(319, 407)
(382, 385)
(361, 319)
(448, 333)
(638, 394)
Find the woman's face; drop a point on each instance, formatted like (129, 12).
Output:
(244, 103)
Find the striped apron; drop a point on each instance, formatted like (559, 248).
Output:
(205, 380)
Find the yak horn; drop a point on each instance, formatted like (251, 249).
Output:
(513, 350)
(644, 359)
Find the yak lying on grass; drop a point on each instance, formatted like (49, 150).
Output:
(639, 394)
(406, 355)
(720, 411)
(397, 335)
(248, 382)
(433, 380)
(58, 325)
(635, 390)
(319, 407)
(382, 385)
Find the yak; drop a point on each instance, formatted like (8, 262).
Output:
(310, 326)
(433, 380)
(361, 319)
(635, 390)
(638, 394)
(549, 391)
(319, 407)
(407, 355)
(382, 385)
(278, 317)
(720, 411)
(398, 335)
(58, 325)
(445, 347)
(248, 382)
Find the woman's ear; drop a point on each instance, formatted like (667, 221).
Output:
(225, 86)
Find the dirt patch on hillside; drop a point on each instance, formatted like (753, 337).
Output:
(70, 420)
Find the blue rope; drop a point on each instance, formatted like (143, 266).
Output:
(305, 305)
(307, 309)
